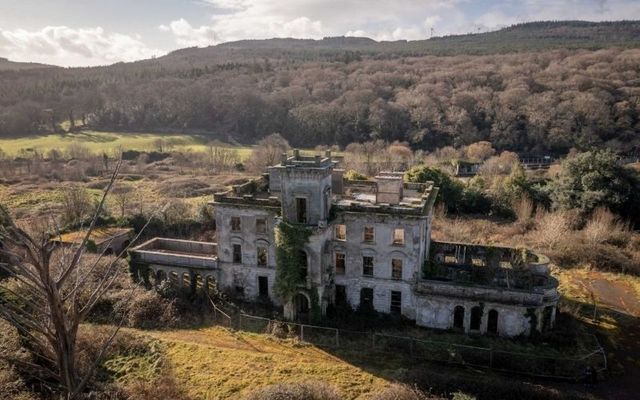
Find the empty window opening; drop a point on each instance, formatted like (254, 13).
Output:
(263, 286)
(301, 210)
(262, 256)
(341, 232)
(367, 266)
(396, 302)
(396, 268)
(476, 318)
(340, 264)
(366, 299)
(369, 234)
(458, 317)
(492, 322)
(261, 226)
(237, 254)
(235, 224)
(398, 236)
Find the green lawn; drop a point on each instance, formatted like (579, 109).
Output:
(110, 143)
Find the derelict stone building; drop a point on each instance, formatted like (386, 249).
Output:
(369, 246)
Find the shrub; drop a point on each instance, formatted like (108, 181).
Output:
(606, 227)
(402, 392)
(147, 310)
(296, 391)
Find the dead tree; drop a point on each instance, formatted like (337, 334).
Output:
(51, 296)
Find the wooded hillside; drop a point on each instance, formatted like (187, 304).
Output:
(455, 90)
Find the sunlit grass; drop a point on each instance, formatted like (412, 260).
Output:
(214, 363)
(112, 143)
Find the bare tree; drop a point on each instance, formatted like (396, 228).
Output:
(76, 204)
(52, 294)
(123, 195)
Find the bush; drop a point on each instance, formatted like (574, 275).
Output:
(147, 310)
(402, 392)
(296, 391)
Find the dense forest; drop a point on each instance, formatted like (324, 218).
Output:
(498, 86)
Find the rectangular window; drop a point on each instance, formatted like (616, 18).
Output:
(367, 266)
(369, 234)
(261, 226)
(396, 268)
(235, 224)
(398, 236)
(366, 299)
(263, 287)
(237, 254)
(341, 232)
(262, 256)
(396, 302)
(301, 210)
(340, 263)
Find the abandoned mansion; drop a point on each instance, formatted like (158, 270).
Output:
(359, 243)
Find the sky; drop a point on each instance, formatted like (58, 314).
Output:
(99, 32)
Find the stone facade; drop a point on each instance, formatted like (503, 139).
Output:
(370, 247)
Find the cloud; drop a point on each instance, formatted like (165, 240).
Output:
(61, 45)
(188, 36)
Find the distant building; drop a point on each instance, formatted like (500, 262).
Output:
(370, 247)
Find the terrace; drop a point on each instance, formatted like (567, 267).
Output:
(176, 252)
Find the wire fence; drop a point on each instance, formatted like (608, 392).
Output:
(569, 368)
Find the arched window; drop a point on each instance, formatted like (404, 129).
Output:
(160, 276)
(492, 322)
(458, 317)
(476, 318)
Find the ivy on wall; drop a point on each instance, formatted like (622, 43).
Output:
(290, 241)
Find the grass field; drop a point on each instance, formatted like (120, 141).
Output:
(214, 363)
(110, 143)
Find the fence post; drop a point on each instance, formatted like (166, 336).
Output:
(411, 346)
(373, 340)
(337, 338)
(302, 333)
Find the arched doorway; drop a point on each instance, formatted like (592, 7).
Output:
(301, 307)
(492, 322)
(458, 318)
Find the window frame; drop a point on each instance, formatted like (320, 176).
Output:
(342, 238)
(258, 256)
(261, 222)
(373, 234)
(366, 266)
(394, 240)
(233, 221)
(397, 307)
(234, 253)
(344, 262)
(393, 268)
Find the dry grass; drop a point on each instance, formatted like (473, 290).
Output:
(214, 363)
(606, 227)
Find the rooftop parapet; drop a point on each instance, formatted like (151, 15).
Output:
(298, 160)
(176, 252)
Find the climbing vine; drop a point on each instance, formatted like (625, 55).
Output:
(290, 241)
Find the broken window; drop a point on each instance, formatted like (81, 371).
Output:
(458, 317)
(341, 232)
(237, 254)
(396, 268)
(340, 263)
(262, 256)
(367, 266)
(235, 224)
(396, 302)
(366, 299)
(398, 236)
(301, 210)
(261, 226)
(369, 234)
(492, 322)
